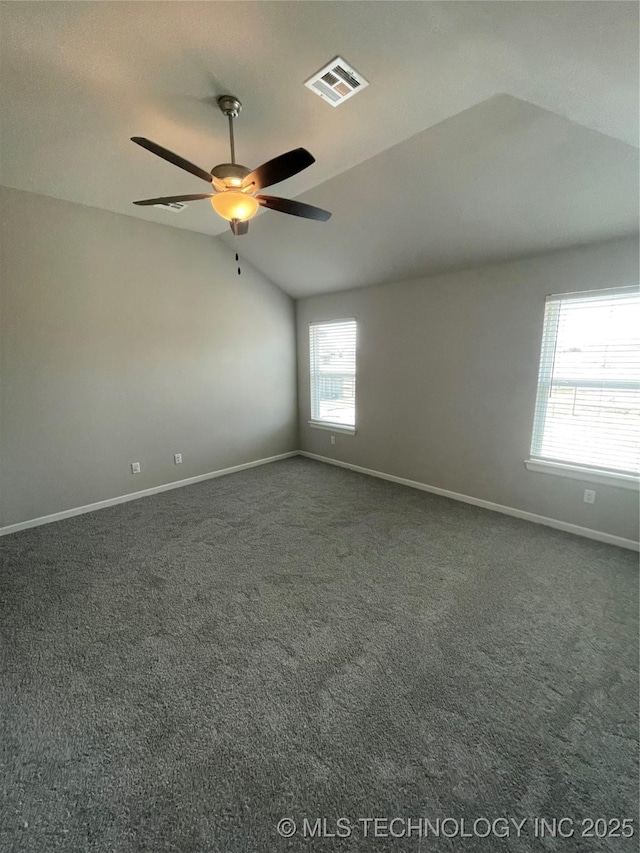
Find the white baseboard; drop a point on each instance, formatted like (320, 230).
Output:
(177, 484)
(505, 510)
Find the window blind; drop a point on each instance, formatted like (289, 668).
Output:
(588, 402)
(332, 349)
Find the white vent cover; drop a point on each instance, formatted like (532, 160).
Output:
(336, 82)
(174, 206)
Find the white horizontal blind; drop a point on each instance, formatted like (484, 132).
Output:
(333, 372)
(588, 402)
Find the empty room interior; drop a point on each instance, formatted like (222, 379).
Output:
(319, 426)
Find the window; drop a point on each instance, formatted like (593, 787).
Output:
(332, 350)
(587, 413)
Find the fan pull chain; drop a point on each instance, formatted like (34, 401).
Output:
(237, 258)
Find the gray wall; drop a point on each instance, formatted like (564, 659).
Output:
(122, 341)
(447, 372)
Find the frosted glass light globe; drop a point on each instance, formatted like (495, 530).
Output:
(233, 204)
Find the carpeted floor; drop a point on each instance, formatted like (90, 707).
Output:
(181, 672)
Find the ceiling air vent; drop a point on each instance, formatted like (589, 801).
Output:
(175, 206)
(336, 82)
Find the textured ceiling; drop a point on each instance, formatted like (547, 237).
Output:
(489, 129)
(503, 179)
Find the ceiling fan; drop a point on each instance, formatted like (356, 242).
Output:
(235, 187)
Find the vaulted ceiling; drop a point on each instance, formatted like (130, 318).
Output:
(489, 129)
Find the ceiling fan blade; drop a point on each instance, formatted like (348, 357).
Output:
(239, 228)
(170, 157)
(278, 169)
(295, 208)
(174, 198)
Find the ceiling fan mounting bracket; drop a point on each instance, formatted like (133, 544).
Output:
(229, 105)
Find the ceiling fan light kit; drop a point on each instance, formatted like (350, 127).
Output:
(234, 204)
(235, 187)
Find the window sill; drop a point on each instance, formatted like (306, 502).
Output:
(576, 472)
(347, 430)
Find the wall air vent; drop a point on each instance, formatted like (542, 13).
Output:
(336, 82)
(175, 206)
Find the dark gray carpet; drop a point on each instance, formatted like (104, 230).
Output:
(181, 672)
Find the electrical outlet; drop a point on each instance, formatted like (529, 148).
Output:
(135, 467)
(589, 496)
(177, 458)
(333, 439)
